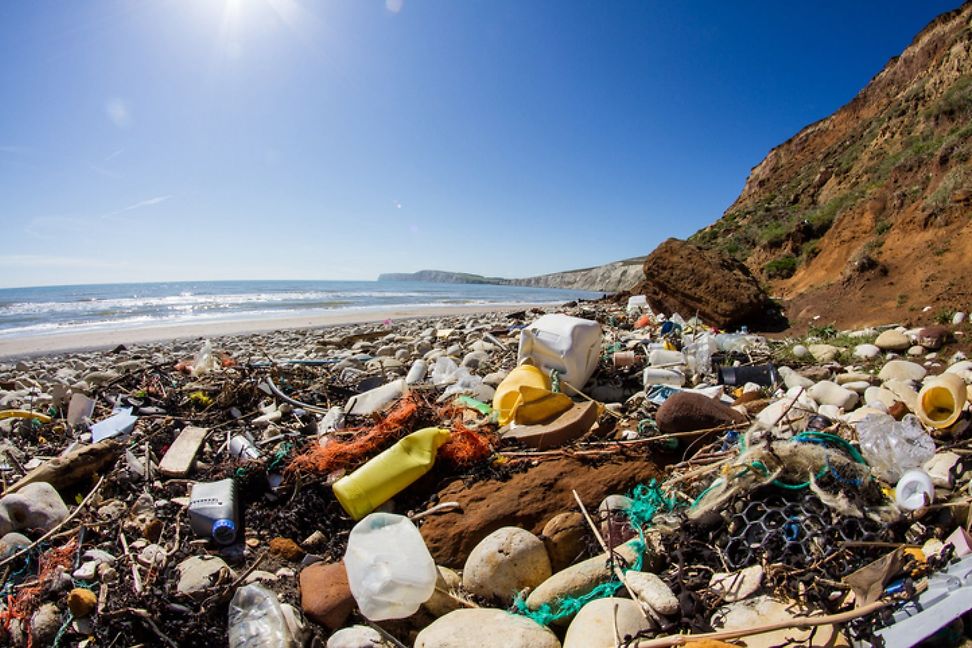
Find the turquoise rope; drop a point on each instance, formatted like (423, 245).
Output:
(647, 501)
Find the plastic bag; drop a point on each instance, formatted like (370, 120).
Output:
(446, 372)
(390, 570)
(892, 447)
(258, 620)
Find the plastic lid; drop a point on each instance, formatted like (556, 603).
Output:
(224, 531)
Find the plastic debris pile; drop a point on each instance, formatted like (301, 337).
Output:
(596, 474)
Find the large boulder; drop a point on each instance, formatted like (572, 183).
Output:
(685, 278)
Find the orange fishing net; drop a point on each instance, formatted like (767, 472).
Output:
(341, 454)
(465, 447)
(21, 604)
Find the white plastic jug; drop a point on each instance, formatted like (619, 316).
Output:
(390, 570)
(570, 345)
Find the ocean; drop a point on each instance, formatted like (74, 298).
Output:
(48, 310)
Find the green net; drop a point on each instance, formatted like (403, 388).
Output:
(647, 501)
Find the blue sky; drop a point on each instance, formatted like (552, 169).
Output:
(287, 139)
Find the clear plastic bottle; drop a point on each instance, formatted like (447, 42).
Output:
(257, 619)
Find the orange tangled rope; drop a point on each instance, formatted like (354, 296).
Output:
(341, 454)
(22, 605)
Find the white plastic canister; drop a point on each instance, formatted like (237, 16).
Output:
(390, 570)
(570, 345)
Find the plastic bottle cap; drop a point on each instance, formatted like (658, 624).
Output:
(224, 531)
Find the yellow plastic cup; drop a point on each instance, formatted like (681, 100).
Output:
(508, 397)
(390, 472)
(941, 400)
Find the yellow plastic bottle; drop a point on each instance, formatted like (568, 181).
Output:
(508, 396)
(390, 472)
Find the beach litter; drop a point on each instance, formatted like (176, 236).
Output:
(593, 474)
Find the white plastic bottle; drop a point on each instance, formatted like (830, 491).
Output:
(390, 570)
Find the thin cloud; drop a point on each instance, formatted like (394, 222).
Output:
(141, 204)
(119, 112)
(113, 155)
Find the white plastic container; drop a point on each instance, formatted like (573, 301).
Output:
(636, 302)
(570, 345)
(665, 358)
(656, 376)
(390, 570)
(417, 372)
(914, 490)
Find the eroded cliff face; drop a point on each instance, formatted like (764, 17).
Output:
(612, 277)
(864, 216)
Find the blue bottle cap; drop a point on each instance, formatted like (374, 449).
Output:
(224, 531)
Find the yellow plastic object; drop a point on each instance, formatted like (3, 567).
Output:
(43, 418)
(538, 406)
(508, 397)
(390, 472)
(941, 400)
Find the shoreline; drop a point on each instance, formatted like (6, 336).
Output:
(39, 345)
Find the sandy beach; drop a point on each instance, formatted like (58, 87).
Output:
(96, 340)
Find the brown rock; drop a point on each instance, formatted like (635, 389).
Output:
(565, 537)
(687, 412)
(685, 278)
(286, 549)
(933, 337)
(526, 499)
(325, 596)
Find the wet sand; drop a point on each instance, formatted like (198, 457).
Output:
(107, 339)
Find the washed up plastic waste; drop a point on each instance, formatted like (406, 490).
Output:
(656, 376)
(942, 400)
(333, 420)
(524, 397)
(390, 570)
(119, 424)
(389, 473)
(569, 345)
(80, 408)
(764, 375)
(948, 596)
(636, 302)
(892, 447)
(446, 371)
(375, 399)
(205, 360)
(213, 511)
(417, 372)
(914, 490)
(242, 447)
(257, 619)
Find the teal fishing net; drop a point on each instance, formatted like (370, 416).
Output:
(647, 501)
